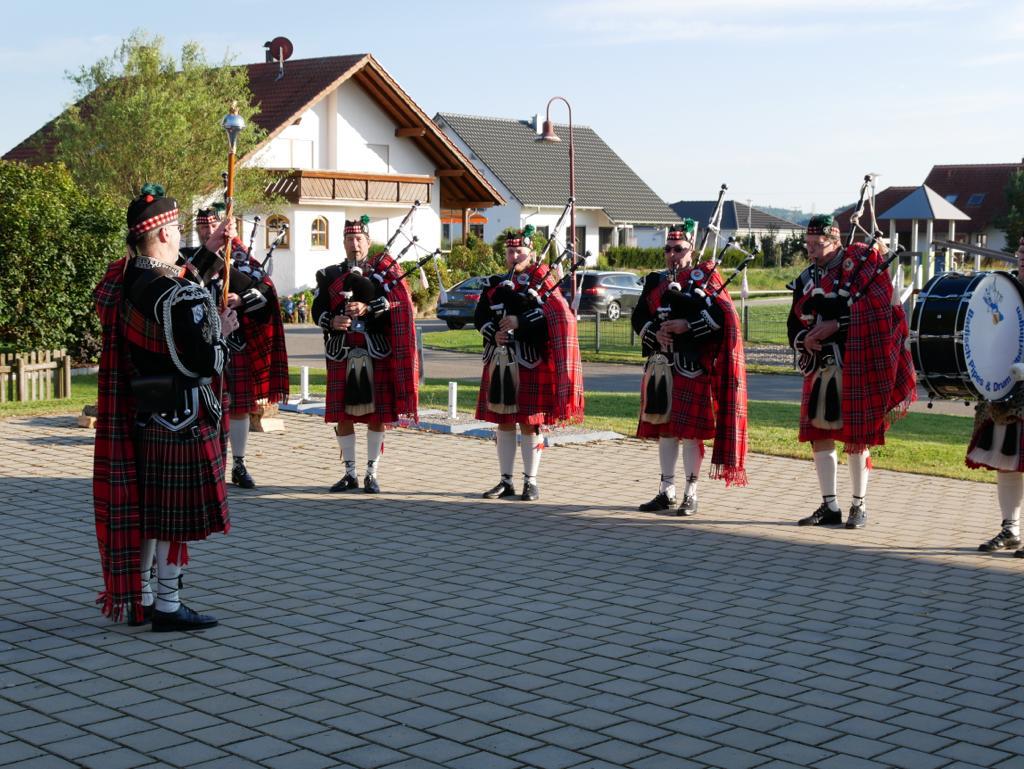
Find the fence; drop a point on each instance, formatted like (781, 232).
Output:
(35, 376)
(761, 324)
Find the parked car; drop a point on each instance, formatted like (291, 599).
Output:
(610, 294)
(461, 304)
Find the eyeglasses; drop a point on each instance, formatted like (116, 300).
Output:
(675, 249)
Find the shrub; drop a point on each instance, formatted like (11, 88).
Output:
(57, 242)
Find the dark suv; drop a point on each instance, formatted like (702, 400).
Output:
(461, 304)
(612, 294)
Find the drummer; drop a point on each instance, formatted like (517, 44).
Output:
(998, 444)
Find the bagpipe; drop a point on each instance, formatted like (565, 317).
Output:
(855, 278)
(383, 268)
(684, 302)
(513, 301)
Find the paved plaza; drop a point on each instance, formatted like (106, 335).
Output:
(426, 627)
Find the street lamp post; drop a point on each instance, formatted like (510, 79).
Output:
(548, 135)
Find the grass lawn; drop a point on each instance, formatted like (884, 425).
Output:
(83, 392)
(766, 325)
(931, 444)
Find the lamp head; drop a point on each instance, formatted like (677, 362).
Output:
(548, 134)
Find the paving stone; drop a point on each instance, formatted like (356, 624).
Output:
(486, 636)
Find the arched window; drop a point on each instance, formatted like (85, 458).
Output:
(274, 224)
(318, 233)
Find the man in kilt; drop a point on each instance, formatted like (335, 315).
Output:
(532, 373)
(858, 373)
(695, 384)
(258, 363)
(158, 478)
(997, 443)
(366, 312)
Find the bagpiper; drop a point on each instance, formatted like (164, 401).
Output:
(366, 312)
(258, 363)
(997, 443)
(858, 372)
(159, 467)
(532, 373)
(694, 386)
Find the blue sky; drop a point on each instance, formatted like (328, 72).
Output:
(790, 102)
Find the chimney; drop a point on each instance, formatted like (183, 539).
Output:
(538, 123)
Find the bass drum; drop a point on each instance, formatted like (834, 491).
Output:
(966, 334)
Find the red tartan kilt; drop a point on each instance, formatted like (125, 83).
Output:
(384, 385)
(809, 432)
(241, 384)
(182, 495)
(535, 399)
(693, 411)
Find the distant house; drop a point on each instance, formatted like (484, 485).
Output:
(979, 190)
(346, 140)
(614, 206)
(884, 200)
(738, 219)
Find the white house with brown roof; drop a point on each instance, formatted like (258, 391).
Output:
(347, 141)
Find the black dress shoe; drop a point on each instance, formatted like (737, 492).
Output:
(858, 518)
(370, 485)
(147, 617)
(502, 490)
(530, 492)
(823, 516)
(687, 507)
(184, 619)
(1004, 540)
(240, 476)
(661, 502)
(347, 482)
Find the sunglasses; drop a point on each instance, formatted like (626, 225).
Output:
(675, 249)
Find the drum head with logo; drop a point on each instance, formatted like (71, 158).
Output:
(993, 334)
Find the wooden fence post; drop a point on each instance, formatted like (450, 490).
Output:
(19, 368)
(65, 376)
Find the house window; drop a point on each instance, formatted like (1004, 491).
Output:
(318, 233)
(581, 238)
(274, 225)
(951, 199)
(477, 230)
(976, 199)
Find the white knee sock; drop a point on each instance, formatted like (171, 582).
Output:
(858, 476)
(531, 448)
(506, 440)
(374, 448)
(668, 455)
(146, 568)
(1009, 488)
(166, 579)
(825, 463)
(239, 432)
(348, 453)
(693, 457)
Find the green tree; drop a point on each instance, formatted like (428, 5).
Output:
(57, 243)
(142, 116)
(770, 251)
(1013, 222)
